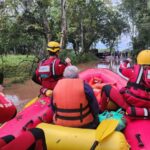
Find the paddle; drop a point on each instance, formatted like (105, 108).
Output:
(105, 128)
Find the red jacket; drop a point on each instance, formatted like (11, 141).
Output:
(49, 71)
(7, 109)
(137, 91)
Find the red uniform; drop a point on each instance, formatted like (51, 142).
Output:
(49, 71)
(137, 91)
(7, 109)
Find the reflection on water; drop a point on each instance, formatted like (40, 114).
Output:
(109, 63)
(18, 103)
(13, 98)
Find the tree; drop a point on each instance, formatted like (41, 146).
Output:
(91, 22)
(138, 12)
(63, 24)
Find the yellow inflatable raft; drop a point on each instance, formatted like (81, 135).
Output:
(66, 138)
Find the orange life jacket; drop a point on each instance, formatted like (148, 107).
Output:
(71, 106)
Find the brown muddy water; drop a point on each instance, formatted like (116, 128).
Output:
(20, 94)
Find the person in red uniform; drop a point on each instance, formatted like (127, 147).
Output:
(135, 97)
(7, 108)
(33, 139)
(50, 70)
(74, 103)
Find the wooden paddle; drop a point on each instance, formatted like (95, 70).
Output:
(105, 128)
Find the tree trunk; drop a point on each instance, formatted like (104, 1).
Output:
(47, 29)
(82, 32)
(63, 24)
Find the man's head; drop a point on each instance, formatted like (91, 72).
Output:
(53, 47)
(71, 72)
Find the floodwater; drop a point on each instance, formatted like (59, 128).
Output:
(20, 94)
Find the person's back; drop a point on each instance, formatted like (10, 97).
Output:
(73, 102)
(50, 70)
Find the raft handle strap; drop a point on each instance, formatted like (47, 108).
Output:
(70, 110)
(138, 137)
(41, 118)
(74, 117)
(81, 115)
(25, 127)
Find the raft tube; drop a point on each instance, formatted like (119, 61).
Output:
(137, 133)
(28, 118)
(106, 75)
(103, 76)
(7, 109)
(67, 138)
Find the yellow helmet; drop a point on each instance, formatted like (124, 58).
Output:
(53, 46)
(143, 57)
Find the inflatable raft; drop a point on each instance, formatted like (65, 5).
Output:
(97, 78)
(37, 111)
(29, 117)
(66, 138)
(137, 133)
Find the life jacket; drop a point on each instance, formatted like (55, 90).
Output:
(137, 92)
(7, 109)
(70, 103)
(50, 71)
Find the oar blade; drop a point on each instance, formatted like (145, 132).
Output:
(105, 128)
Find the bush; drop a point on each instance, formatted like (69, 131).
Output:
(20, 67)
(16, 65)
(77, 59)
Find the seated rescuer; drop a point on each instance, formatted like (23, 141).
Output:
(50, 70)
(73, 102)
(135, 97)
(7, 108)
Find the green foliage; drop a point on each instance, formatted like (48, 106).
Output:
(139, 13)
(20, 67)
(17, 66)
(94, 21)
(27, 25)
(77, 59)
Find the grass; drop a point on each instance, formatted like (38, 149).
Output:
(18, 68)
